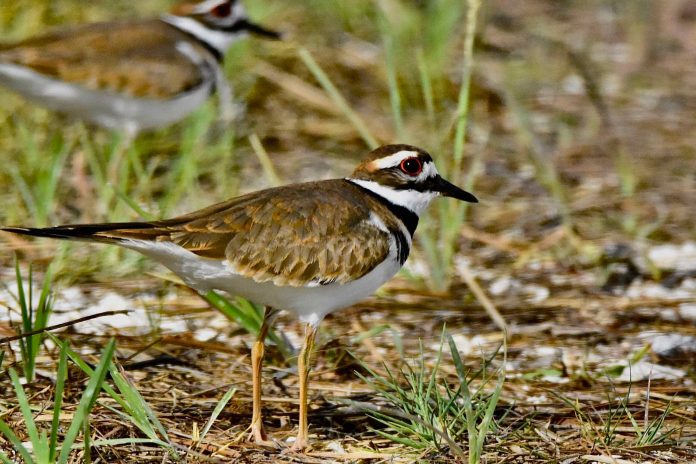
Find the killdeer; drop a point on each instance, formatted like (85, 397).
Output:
(132, 76)
(309, 248)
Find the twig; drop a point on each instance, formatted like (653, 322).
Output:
(265, 160)
(64, 324)
(484, 300)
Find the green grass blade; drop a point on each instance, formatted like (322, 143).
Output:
(138, 407)
(233, 312)
(134, 402)
(28, 415)
(41, 316)
(16, 442)
(89, 398)
(486, 423)
(337, 98)
(426, 88)
(473, 7)
(216, 412)
(386, 30)
(58, 400)
(74, 357)
(21, 300)
(86, 433)
(134, 205)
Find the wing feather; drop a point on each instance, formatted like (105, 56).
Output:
(139, 61)
(291, 236)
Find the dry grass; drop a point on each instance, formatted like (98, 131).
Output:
(582, 131)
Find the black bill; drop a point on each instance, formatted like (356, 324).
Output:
(256, 29)
(448, 189)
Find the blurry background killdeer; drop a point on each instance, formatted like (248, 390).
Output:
(133, 75)
(310, 248)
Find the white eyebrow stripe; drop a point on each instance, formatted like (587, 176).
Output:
(394, 160)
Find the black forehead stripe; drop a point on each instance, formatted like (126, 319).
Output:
(405, 215)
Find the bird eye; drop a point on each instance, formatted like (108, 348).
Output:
(223, 10)
(411, 166)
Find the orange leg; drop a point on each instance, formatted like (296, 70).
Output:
(257, 432)
(303, 368)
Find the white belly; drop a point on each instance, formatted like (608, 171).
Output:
(107, 109)
(310, 304)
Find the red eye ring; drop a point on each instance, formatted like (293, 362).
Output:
(223, 10)
(411, 166)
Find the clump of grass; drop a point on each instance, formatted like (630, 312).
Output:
(134, 408)
(611, 430)
(426, 412)
(36, 177)
(45, 447)
(34, 317)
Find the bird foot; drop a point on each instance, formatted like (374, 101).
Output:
(258, 434)
(300, 446)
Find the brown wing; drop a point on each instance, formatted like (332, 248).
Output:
(140, 62)
(297, 235)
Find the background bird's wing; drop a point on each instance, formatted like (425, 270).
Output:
(139, 61)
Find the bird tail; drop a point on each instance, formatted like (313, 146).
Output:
(108, 232)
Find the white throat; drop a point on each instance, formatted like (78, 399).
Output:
(220, 40)
(412, 200)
